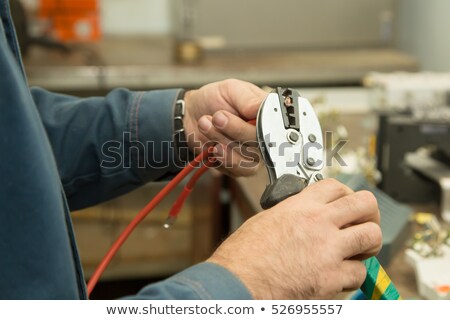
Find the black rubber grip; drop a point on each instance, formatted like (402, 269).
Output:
(282, 188)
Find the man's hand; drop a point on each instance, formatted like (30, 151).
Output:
(309, 246)
(217, 115)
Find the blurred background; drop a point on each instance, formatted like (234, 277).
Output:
(377, 72)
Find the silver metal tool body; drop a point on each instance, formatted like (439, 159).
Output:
(291, 143)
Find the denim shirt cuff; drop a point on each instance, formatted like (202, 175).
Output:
(212, 282)
(204, 281)
(150, 122)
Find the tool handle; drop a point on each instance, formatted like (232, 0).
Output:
(282, 188)
(378, 285)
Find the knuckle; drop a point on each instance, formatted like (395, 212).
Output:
(332, 182)
(376, 235)
(367, 198)
(335, 186)
(368, 237)
(348, 203)
(230, 82)
(359, 275)
(362, 240)
(355, 281)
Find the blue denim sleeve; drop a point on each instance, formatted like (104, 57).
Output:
(107, 146)
(205, 281)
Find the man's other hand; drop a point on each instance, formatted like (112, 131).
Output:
(217, 115)
(309, 246)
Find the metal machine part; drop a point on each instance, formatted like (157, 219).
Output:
(429, 241)
(402, 133)
(429, 254)
(291, 143)
(437, 172)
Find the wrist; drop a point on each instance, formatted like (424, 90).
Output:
(190, 124)
(256, 285)
(182, 151)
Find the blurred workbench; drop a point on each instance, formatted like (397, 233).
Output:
(146, 63)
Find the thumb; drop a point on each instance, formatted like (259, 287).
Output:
(244, 97)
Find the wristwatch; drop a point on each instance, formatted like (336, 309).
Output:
(182, 153)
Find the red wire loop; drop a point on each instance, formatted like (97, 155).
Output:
(147, 209)
(175, 210)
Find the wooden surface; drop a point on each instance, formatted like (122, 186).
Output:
(149, 63)
(151, 251)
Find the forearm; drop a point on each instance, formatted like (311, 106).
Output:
(107, 146)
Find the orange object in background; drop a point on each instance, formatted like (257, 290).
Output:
(72, 20)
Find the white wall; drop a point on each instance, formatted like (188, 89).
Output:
(423, 30)
(129, 16)
(135, 17)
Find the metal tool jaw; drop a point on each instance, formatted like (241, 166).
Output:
(291, 144)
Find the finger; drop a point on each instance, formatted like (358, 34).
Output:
(198, 142)
(362, 240)
(206, 127)
(355, 208)
(234, 127)
(232, 154)
(235, 153)
(326, 191)
(245, 97)
(245, 152)
(353, 274)
(233, 163)
(238, 172)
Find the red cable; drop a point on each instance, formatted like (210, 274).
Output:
(142, 214)
(175, 210)
(152, 204)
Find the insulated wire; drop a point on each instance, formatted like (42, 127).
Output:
(175, 210)
(147, 209)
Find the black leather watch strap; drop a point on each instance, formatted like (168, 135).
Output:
(182, 153)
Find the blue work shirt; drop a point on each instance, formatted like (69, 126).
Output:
(50, 163)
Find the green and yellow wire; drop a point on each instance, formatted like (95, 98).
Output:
(378, 285)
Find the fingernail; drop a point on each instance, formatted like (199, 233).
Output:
(220, 120)
(218, 150)
(204, 124)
